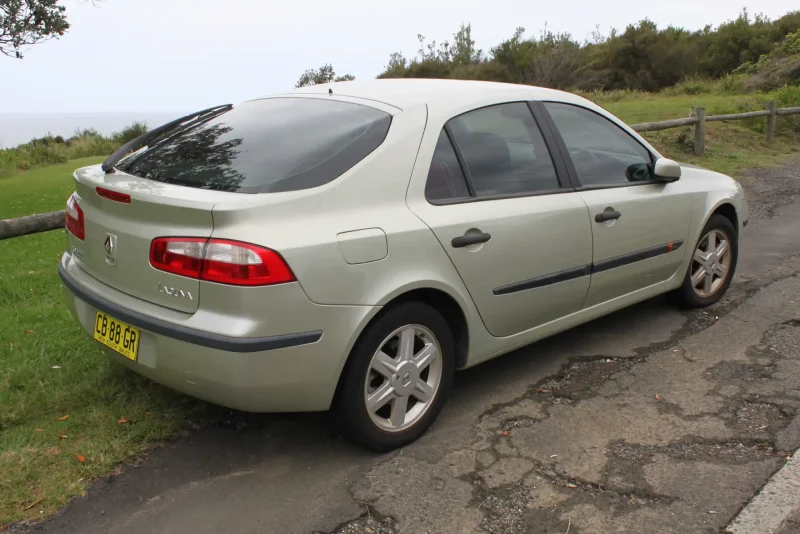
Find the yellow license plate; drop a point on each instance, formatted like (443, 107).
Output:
(116, 335)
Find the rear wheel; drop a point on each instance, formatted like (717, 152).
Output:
(397, 377)
(713, 264)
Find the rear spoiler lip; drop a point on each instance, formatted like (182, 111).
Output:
(142, 140)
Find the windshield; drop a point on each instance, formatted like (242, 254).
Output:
(264, 146)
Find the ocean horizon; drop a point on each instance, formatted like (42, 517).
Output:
(19, 128)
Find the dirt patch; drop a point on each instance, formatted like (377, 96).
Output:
(785, 339)
(367, 524)
(735, 451)
(791, 525)
(580, 377)
(517, 422)
(737, 372)
(756, 417)
(504, 509)
(767, 189)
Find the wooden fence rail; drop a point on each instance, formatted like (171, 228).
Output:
(699, 120)
(45, 222)
(31, 224)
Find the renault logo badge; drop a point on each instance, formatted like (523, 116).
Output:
(111, 249)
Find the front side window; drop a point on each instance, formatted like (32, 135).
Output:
(265, 146)
(602, 152)
(504, 150)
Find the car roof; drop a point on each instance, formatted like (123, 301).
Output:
(409, 93)
(448, 96)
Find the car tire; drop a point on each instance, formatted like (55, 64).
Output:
(705, 292)
(371, 379)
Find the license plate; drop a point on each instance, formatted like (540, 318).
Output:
(116, 335)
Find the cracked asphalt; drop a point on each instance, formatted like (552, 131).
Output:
(649, 420)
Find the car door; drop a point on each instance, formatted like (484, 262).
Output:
(520, 241)
(640, 226)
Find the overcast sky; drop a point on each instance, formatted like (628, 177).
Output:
(176, 55)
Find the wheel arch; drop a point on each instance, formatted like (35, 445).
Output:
(723, 206)
(450, 309)
(436, 297)
(727, 210)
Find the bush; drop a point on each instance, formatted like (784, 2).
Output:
(50, 150)
(642, 57)
(129, 133)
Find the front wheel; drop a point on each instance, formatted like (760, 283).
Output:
(396, 380)
(713, 264)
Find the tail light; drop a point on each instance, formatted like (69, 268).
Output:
(218, 260)
(74, 218)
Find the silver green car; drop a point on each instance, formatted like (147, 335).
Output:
(350, 246)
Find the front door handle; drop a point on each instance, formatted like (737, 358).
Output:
(470, 239)
(608, 214)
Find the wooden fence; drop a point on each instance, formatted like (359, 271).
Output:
(699, 120)
(54, 220)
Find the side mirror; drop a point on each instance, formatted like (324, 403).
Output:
(666, 170)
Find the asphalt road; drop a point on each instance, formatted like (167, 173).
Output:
(649, 420)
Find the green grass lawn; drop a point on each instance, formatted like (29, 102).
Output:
(49, 369)
(730, 147)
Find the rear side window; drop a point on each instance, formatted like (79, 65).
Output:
(504, 150)
(266, 146)
(445, 177)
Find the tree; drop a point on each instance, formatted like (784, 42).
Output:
(25, 23)
(325, 74)
(459, 58)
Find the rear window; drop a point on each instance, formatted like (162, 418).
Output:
(266, 146)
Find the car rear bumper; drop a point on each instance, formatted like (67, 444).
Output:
(296, 369)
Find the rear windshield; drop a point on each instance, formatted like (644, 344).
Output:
(266, 146)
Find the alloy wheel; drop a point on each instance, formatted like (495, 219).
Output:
(404, 377)
(711, 263)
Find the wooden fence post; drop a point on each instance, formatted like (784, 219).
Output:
(700, 131)
(770, 129)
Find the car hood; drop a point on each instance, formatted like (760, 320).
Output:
(693, 166)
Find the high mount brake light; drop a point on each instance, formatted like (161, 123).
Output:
(219, 260)
(113, 195)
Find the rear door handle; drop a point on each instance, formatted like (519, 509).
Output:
(470, 239)
(608, 214)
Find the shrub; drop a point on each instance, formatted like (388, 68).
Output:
(49, 150)
(129, 133)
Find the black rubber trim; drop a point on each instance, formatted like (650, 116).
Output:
(546, 280)
(190, 335)
(554, 142)
(633, 257)
(461, 161)
(586, 270)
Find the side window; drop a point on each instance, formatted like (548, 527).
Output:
(504, 150)
(602, 152)
(445, 177)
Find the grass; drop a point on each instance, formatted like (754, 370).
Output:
(40, 190)
(49, 369)
(730, 147)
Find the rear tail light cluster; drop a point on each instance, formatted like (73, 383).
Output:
(219, 260)
(74, 218)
